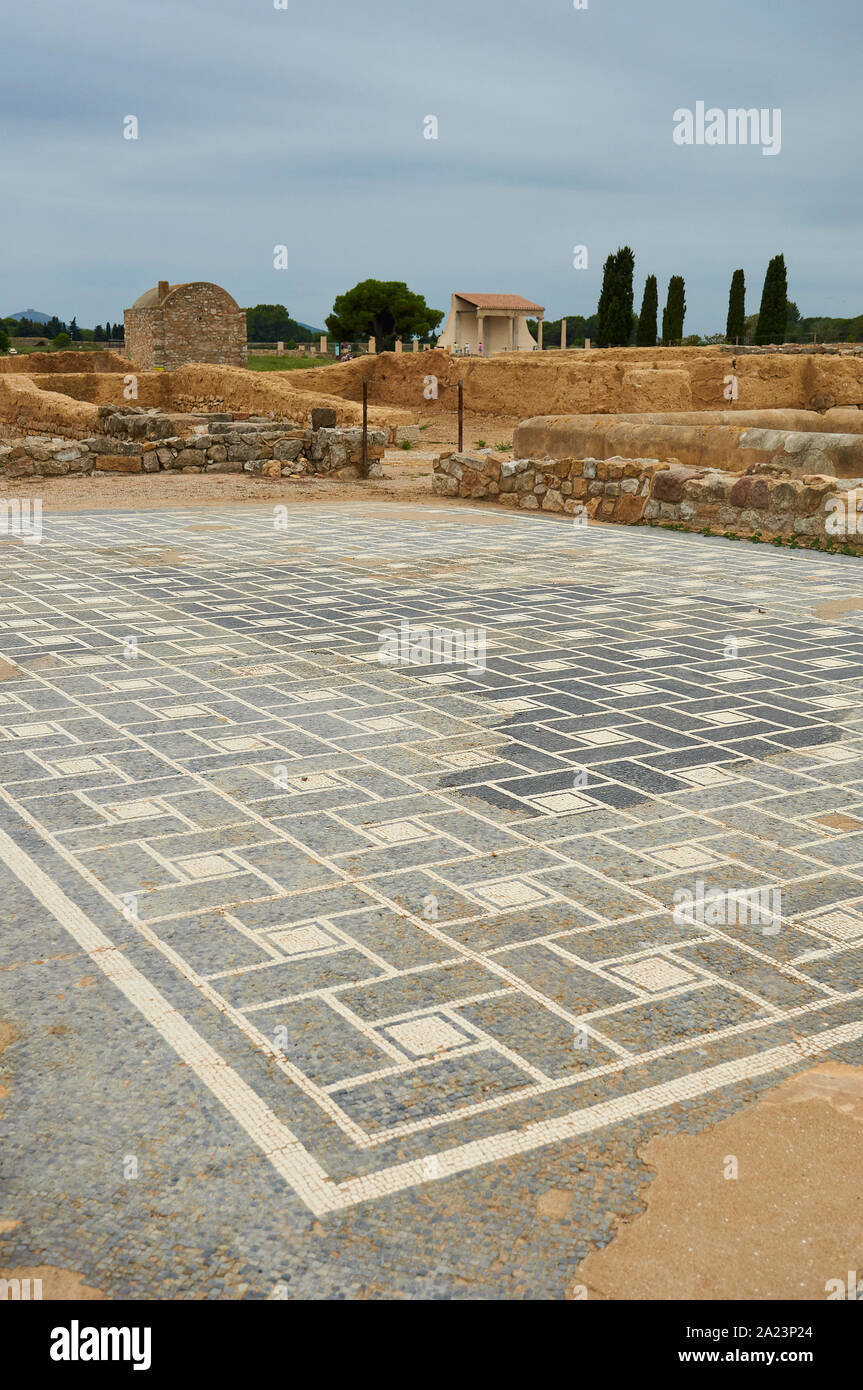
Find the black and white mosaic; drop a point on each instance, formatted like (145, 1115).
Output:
(402, 920)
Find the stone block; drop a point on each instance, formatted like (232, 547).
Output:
(286, 450)
(187, 458)
(324, 418)
(629, 509)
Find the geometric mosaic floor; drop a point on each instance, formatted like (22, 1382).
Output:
(438, 902)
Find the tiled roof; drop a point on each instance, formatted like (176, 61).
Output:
(502, 301)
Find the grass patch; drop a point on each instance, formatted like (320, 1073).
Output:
(274, 363)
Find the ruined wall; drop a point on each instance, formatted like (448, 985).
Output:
(138, 443)
(630, 491)
(41, 402)
(42, 363)
(24, 406)
(613, 381)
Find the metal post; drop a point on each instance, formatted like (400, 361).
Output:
(365, 468)
(460, 416)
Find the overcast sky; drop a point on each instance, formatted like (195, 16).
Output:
(304, 127)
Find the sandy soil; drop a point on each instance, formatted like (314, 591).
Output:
(156, 491)
(790, 1221)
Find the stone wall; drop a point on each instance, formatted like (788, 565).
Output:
(137, 442)
(769, 503)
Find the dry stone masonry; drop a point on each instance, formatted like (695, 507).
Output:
(137, 441)
(767, 502)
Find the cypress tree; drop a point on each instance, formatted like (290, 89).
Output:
(621, 326)
(647, 318)
(773, 316)
(614, 315)
(736, 325)
(602, 325)
(675, 311)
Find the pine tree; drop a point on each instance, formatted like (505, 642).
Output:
(675, 311)
(646, 336)
(773, 316)
(736, 325)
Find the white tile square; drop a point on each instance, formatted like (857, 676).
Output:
(469, 758)
(509, 893)
(684, 857)
(33, 730)
(240, 743)
(384, 724)
(834, 753)
(845, 926)
(706, 776)
(398, 832)
(206, 866)
(313, 782)
(598, 738)
(551, 665)
(76, 767)
(182, 711)
(299, 940)
(560, 802)
(727, 716)
(634, 688)
(423, 1037)
(654, 974)
(135, 810)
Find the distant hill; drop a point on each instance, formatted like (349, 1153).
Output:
(33, 315)
(307, 326)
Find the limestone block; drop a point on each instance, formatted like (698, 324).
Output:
(187, 458)
(286, 450)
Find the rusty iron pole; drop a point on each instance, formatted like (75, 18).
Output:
(365, 468)
(461, 416)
